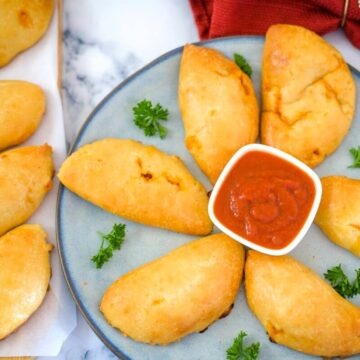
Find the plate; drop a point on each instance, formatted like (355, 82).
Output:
(78, 221)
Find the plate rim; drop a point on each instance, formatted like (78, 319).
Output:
(69, 282)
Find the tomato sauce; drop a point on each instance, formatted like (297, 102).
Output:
(265, 199)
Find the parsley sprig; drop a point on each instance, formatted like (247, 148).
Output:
(114, 240)
(355, 152)
(148, 117)
(340, 282)
(243, 64)
(237, 351)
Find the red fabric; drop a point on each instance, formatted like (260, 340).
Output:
(216, 18)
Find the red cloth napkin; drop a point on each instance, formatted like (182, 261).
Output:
(216, 18)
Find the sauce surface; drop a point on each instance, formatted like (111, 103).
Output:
(265, 199)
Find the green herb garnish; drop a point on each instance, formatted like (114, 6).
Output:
(355, 152)
(340, 282)
(114, 240)
(237, 351)
(147, 117)
(242, 64)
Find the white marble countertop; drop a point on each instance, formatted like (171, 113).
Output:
(103, 43)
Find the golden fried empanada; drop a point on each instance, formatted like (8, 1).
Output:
(339, 212)
(178, 294)
(140, 183)
(298, 309)
(24, 275)
(308, 94)
(218, 107)
(22, 105)
(25, 178)
(22, 24)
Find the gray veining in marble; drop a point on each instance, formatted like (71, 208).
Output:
(89, 73)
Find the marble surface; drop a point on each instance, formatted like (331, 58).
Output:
(103, 43)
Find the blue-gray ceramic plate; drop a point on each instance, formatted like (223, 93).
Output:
(79, 221)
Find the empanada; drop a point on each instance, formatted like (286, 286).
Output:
(24, 275)
(218, 107)
(22, 105)
(299, 309)
(140, 183)
(339, 212)
(178, 294)
(308, 94)
(22, 24)
(25, 178)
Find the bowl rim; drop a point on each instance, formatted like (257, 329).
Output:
(287, 157)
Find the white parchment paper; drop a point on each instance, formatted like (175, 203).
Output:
(44, 333)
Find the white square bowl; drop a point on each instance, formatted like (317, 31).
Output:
(281, 154)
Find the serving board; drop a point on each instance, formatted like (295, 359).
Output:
(79, 221)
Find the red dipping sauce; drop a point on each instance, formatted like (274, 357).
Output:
(265, 199)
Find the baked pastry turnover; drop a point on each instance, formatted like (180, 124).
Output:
(339, 212)
(25, 179)
(24, 276)
(298, 309)
(22, 105)
(178, 294)
(140, 183)
(22, 24)
(218, 106)
(308, 94)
